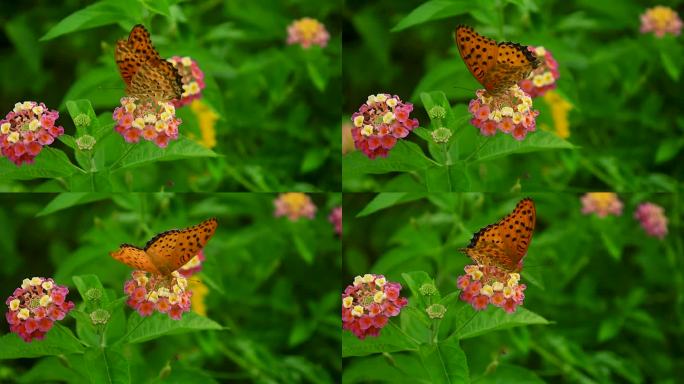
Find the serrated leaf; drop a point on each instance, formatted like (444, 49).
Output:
(389, 340)
(445, 362)
(504, 145)
(494, 319)
(160, 324)
(50, 163)
(148, 152)
(404, 157)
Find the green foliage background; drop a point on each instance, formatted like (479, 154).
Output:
(273, 287)
(278, 104)
(612, 296)
(625, 127)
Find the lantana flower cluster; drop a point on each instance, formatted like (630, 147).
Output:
(35, 306)
(26, 129)
(154, 121)
(294, 205)
(544, 77)
(380, 122)
(661, 20)
(150, 292)
(653, 219)
(510, 112)
(192, 78)
(307, 32)
(368, 304)
(484, 285)
(335, 218)
(601, 203)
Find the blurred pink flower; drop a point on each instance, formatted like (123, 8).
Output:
(510, 112)
(26, 129)
(653, 219)
(153, 121)
(307, 32)
(368, 304)
(35, 306)
(336, 219)
(192, 78)
(544, 77)
(294, 205)
(661, 20)
(484, 285)
(167, 294)
(601, 203)
(380, 122)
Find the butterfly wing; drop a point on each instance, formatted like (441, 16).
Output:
(478, 52)
(514, 63)
(134, 257)
(505, 243)
(145, 73)
(157, 79)
(170, 250)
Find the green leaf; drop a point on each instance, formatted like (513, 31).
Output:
(671, 68)
(301, 332)
(52, 369)
(506, 373)
(445, 362)
(314, 159)
(302, 248)
(386, 200)
(414, 280)
(50, 163)
(433, 10)
(404, 157)
(668, 149)
(317, 78)
(70, 199)
(389, 340)
(148, 152)
(104, 12)
(504, 145)
(59, 340)
(494, 319)
(84, 283)
(83, 107)
(159, 324)
(108, 365)
(391, 368)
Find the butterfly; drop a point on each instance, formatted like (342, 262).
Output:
(146, 74)
(504, 244)
(496, 66)
(169, 250)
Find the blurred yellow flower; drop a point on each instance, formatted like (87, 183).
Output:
(206, 118)
(559, 112)
(199, 292)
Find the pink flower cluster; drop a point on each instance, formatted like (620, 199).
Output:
(294, 205)
(510, 112)
(26, 129)
(153, 121)
(543, 77)
(166, 294)
(601, 203)
(484, 285)
(661, 20)
(193, 266)
(368, 304)
(192, 78)
(653, 219)
(35, 306)
(336, 219)
(307, 32)
(380, 121)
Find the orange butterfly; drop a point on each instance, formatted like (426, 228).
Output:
(146, 74)
(496, 66)
(169, 250)
(504, 244)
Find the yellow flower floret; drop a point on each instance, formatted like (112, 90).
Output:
(348, 301)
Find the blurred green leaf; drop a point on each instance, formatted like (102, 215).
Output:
(433, 10)
(70, 199)
(104, 12)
